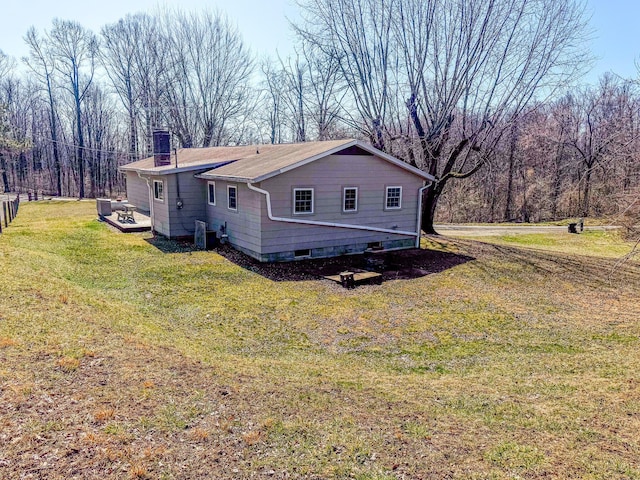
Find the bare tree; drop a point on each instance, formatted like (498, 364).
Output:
(358, 36)
(98, 116)
(5, 141)
(75, 50)
(465, 68)
(273, 84)
(207, 75)
(599, 130)
(7, 64)
(294, 75)
(42, 63)
(119, 55)
(325, 93)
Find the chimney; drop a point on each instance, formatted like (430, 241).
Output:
(161, 148)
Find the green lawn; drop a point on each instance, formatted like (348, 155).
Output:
(594, 243)
(124, 356)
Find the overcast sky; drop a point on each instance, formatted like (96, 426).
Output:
(264, 26)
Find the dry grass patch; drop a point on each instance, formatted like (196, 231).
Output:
(7, 342)
(199, 434)
(68, 364)
(140, 357)
(138, 471)
(104, 415)
(253, 437)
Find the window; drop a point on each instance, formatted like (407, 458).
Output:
(211, 193)
(232, 197)
(302, 200)
(158, 190)
(350, 199)
(304, 253)
(393, 198)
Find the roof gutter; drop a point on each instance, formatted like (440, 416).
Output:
(419, 221)
(147, 179)
(327, 224)
(171, 170)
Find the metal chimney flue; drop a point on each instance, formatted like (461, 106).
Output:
(161, 148)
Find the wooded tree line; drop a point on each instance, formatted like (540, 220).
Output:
(479, 93)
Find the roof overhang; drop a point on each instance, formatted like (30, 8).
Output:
(227, 178)
(159, 171)
(211, 175)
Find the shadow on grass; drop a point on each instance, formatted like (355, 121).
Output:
(395, 265)
(166, 245)
(401, 264)
(592, 271)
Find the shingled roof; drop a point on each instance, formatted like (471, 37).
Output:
(254, 163)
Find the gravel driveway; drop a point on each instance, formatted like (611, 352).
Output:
(457, 230)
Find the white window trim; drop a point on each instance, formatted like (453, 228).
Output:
(344, 192)
(209, 184)
(386, 198)
(229, 187)
(313, 200)
(155, 190)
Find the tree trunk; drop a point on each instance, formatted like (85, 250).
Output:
(54, 137)
(557, 185)
(508, 210)
(586, 193)
(5, 178)
(133, 134)
(429, 202)
(80, 149)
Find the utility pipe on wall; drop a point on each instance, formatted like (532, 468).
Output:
(150, 201)
(327, 224)
(419, 223)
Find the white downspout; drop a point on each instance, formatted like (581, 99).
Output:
(419, 222)
(325, 224)
(150, 201)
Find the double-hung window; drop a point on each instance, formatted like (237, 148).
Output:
(350, 199)
(158, 190)
(211, 193)
(302, 201)
(232, 197)
(393, 198)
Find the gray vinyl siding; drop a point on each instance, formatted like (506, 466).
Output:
(243, 226)
(137, 191)
(328, 177)
(168, 219)
(194, 201)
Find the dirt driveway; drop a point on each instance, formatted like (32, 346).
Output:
(457, 230)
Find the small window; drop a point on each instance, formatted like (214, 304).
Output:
(350, 199)
(393, 198)
(303, 253)
(211, 193)
(232, 197)
(302, 200)
(158, 190)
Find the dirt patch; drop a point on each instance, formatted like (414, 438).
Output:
(393, 265)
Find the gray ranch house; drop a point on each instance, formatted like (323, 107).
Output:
(284, 202)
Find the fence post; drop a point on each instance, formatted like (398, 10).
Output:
(5, 213)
